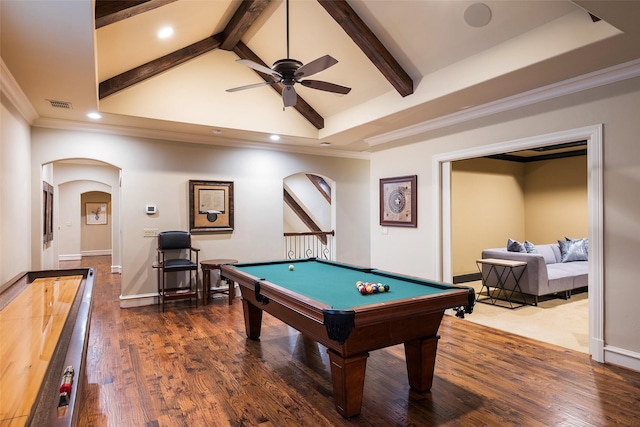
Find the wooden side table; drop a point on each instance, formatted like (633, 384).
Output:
(214, 264)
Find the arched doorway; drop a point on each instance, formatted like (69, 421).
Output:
(81, 186)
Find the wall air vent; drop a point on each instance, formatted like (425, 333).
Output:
(60, 104)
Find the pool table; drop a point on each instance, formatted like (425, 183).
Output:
(320, 299)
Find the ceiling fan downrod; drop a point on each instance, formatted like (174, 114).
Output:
(287, 4)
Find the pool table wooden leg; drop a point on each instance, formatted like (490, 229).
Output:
(347, 376)
(421, 358)
(252, 320)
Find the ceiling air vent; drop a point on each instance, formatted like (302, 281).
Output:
(60, 104)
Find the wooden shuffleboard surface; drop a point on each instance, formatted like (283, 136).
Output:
(30, 327)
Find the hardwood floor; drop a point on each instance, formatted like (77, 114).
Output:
(195, 367)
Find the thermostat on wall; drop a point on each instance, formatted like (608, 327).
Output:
(150, 209)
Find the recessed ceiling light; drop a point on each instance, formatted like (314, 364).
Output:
(275, 137)
(94, 115)
(217, 131)
(165, 32)
(325, 144)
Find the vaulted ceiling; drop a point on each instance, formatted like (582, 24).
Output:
(407, 62)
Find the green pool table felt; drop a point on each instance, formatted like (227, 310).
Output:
(335, 286)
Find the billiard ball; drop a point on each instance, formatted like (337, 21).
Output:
(291, 267)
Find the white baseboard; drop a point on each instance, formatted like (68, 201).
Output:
(140, 300)
(621, 357)
(70, 257)
(116, 269)
(98, 252)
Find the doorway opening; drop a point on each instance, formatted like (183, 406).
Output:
(593, 136)
(86, 210)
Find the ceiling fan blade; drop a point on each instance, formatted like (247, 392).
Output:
(235, 89)
(289, 96)
(326, 86)
(258, 67)
(316, 66)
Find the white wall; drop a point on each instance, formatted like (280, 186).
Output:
(15, 190)
(158, 172)
(616, 105)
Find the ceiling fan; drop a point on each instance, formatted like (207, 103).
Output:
(289, 72)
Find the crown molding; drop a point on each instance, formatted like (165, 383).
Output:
(166, 135)
(627, 70)
(12, 90)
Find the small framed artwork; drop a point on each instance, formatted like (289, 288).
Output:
(47, 204)
(95, 213)
(210, 206)
(399, 201)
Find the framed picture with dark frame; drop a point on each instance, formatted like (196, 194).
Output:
(47, 204)
(399, 201)
(210, 206)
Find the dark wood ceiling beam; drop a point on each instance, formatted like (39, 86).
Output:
(351, 23)
(241, 21)
(108, 11)
(157, 66)
(243, 51)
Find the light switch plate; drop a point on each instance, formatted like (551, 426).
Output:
(150, 232)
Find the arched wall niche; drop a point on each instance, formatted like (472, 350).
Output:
(313, 196)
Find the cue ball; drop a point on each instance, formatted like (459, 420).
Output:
(291, 267)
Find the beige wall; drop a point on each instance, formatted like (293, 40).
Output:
(615, 106)
(495, 200)
(95, 238)
(556, 202)
(487, 204)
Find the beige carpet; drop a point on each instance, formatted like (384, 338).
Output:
(554, 320)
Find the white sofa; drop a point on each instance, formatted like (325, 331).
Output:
(545, 273)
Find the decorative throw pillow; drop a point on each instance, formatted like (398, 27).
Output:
(586, 240)
(515, 246)
(530, 247)
(574, 250)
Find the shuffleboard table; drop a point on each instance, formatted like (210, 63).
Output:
(44, 319)
(320, 299)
